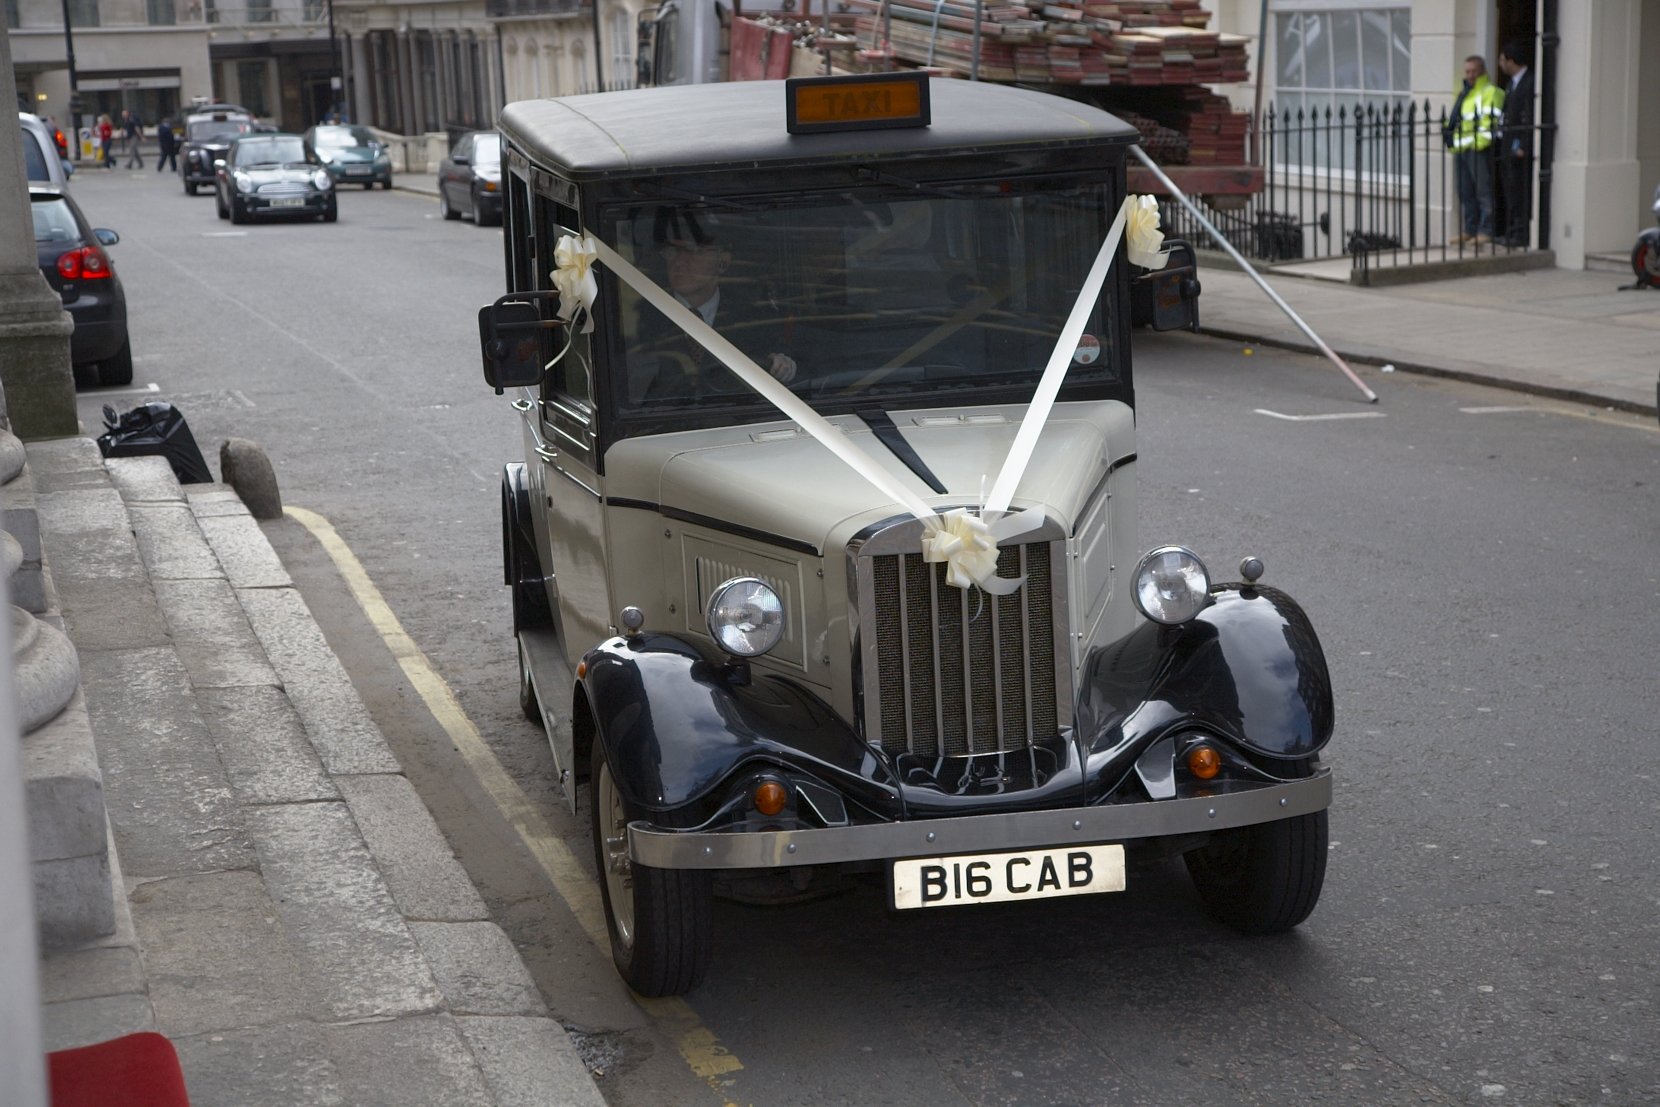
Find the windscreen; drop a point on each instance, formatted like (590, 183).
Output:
(487, 150)
(54, 222)
(216, 130)
(866, 295)
(276, 150)
(343, 138)
(34, 158)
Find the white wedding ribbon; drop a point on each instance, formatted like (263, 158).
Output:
(573, 276)
(1143, 239)
(966, 543)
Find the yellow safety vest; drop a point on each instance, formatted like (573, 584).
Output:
(1479, 113)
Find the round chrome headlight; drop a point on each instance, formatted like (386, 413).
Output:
(1171, 585)
(322, 180)
(745, 617)
(244, 183)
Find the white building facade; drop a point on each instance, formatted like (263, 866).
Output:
(549, 46)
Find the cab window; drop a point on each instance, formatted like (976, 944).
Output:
(34, 158)
(572, 375)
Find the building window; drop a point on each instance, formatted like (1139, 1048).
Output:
(580, 61)
(622, 50)
(250, 85)
(315, 10)
(13, 18)
(1343, 60)
(259, 11)
(83, 13)
(160, 13)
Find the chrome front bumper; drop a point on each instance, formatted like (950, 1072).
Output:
(667, 849)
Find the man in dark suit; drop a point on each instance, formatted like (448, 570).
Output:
(697, 256)
(1516, 145)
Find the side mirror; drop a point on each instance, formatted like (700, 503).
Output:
(1168, 299)
(68, 167)
(105, 236)
(461, 159)
(510, 335)
(219, 163)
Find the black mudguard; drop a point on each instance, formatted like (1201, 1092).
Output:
(675, 719)
(521, 567)
(1249, 668)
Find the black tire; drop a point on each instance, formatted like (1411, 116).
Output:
(332, 212)
(1645, 261)
(527, 691)
(387, 185)
(444, 208)
(368, 186)
(219, 205)
(237, 214)
(190, 188)
(1263, 879)
(118, 368)
(666, 949)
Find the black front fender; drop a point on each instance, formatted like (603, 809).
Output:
(1248, 668)
(674, 723)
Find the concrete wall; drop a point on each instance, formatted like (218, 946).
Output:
(1648, 114)
(1596, 151)
(110, 48)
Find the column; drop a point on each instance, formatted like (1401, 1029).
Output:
(1595, 182)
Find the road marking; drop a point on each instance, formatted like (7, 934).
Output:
(224, 234)
(1321, 418)
(151, 387)
(707, 1058)
(1493, 410)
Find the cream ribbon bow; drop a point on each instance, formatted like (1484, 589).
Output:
(969, 549)
(573, 276)
(1143, 238)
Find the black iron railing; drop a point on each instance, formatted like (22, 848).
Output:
(1376, 184)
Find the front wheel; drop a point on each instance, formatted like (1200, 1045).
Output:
(1263, 879)
(238, 215)
(1645, 260)
(190, 188)
(444, 208)
(332, 212)
(660, 920)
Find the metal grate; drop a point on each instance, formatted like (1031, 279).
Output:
(960, 672)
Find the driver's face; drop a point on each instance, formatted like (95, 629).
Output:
(695, 270)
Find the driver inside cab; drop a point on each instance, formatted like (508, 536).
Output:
(697, 256)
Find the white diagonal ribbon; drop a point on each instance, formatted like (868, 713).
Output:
(967, 544)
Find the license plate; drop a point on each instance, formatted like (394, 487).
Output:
(358, 169)
(289, 202)
(1001, 877)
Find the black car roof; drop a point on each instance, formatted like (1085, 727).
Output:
(738, 124)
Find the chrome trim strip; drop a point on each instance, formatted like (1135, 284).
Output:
(665, 849)
(578, 481)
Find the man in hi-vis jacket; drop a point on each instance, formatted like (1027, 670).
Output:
(1471, 131)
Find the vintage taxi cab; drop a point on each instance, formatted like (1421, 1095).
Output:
(823, 550)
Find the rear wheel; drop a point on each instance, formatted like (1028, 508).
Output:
(117, 369)
(1266, 878)
(1645, 260)
(660, 920)
(444, 208)
(190, 188)
(368, 186)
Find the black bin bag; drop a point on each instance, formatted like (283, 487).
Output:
(155, 428)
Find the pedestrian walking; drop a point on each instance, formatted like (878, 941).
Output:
(132, 132)
(106, 133)
(167, 148)
(1516, 142)
(1470, 130)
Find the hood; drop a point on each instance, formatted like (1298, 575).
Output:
(774, 478)
(281, 174)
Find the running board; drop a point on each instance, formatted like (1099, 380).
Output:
(551, 679)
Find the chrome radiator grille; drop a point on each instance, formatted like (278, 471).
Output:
(961, 672)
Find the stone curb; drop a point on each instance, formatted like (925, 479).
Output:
(304, 931)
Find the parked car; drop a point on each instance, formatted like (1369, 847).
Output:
(276, 174)
(352, 155)
(41, 158)
(207, 135)
(469, 180)
(70, 252)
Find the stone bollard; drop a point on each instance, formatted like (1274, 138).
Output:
(244, 466)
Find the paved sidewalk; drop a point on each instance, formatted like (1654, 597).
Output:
(424, 184)
(1552, 332)
(289, 914)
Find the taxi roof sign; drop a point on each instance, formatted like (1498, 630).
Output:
(857, 102)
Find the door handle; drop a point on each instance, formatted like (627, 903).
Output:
(522, 406)
(547, 454)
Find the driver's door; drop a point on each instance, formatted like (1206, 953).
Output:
(570, 479)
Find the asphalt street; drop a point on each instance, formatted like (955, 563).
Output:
(1483, 568)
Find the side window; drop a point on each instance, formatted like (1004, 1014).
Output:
(462, 149)
(572, 377)
(668, 36)
(518, 234)
(34, 158)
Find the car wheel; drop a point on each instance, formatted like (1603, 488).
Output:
(368, 186)
(1263, 879)
(527, 690)
(1645, 261)
(332, 212)
(444, 208)
(219, 203)
(660, 920)
(119, 368)
(238, 215)
(190, 188)
(387, 185)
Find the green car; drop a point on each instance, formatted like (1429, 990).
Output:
(352, 155)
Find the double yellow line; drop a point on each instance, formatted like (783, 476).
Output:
(708, 1059)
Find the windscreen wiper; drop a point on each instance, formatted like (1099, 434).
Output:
(882, 424)
(915, 186)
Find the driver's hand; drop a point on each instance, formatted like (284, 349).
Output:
(782, 367)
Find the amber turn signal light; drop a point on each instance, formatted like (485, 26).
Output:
(1204, 762)
(581, 670)
(770, 797)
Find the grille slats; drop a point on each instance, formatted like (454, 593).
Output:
(960, 672)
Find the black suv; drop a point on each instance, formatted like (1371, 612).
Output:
(71, 254)
(207, 135)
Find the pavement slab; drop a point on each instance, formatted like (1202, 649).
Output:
(265, 1066)
(405, 1061)
(529, 1062)
(355, 948)
(263, 746)
(81, 1022)
(243, 550)
(145, 479)
(425, 879)
(171, 542)
(478, 969)
(212, 635)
